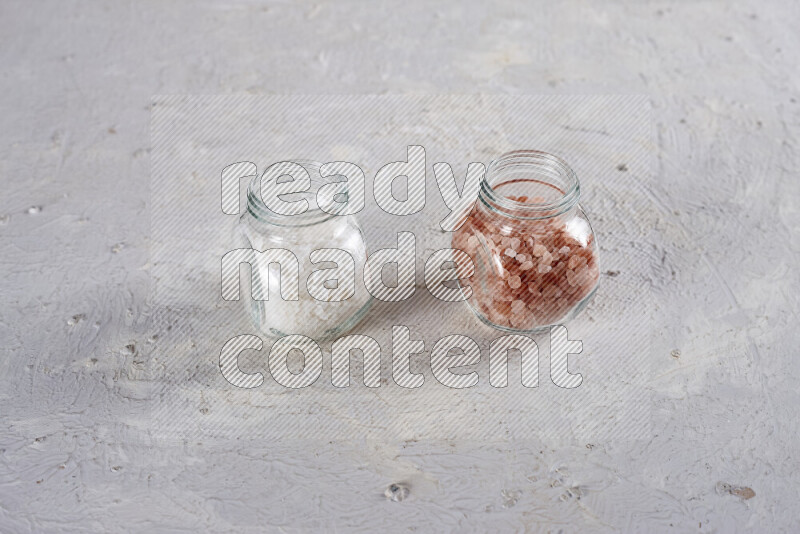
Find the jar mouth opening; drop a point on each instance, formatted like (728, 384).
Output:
(530, 184)
(313, 215)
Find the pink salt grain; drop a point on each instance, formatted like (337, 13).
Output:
(517, 307)
(571, 289)
(536, 273)
(518, 320)
(571, 277)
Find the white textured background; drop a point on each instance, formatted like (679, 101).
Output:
(76, 452)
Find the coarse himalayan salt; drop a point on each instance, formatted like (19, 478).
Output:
(534, 273)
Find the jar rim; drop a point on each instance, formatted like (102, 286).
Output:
(314, 215)
(553, 171)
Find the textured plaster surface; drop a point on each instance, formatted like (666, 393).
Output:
(77, 451)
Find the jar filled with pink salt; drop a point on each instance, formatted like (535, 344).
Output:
(534, 251)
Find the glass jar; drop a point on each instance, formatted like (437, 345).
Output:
(535, 254)
(260, 228)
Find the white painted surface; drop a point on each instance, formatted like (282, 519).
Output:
(75, 445)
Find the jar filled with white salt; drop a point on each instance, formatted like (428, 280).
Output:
(330, 249)
(535, 254)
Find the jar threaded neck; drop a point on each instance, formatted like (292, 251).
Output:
(529, 184)
(314, 215)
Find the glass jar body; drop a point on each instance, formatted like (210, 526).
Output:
(312, 316)
(536, 260)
